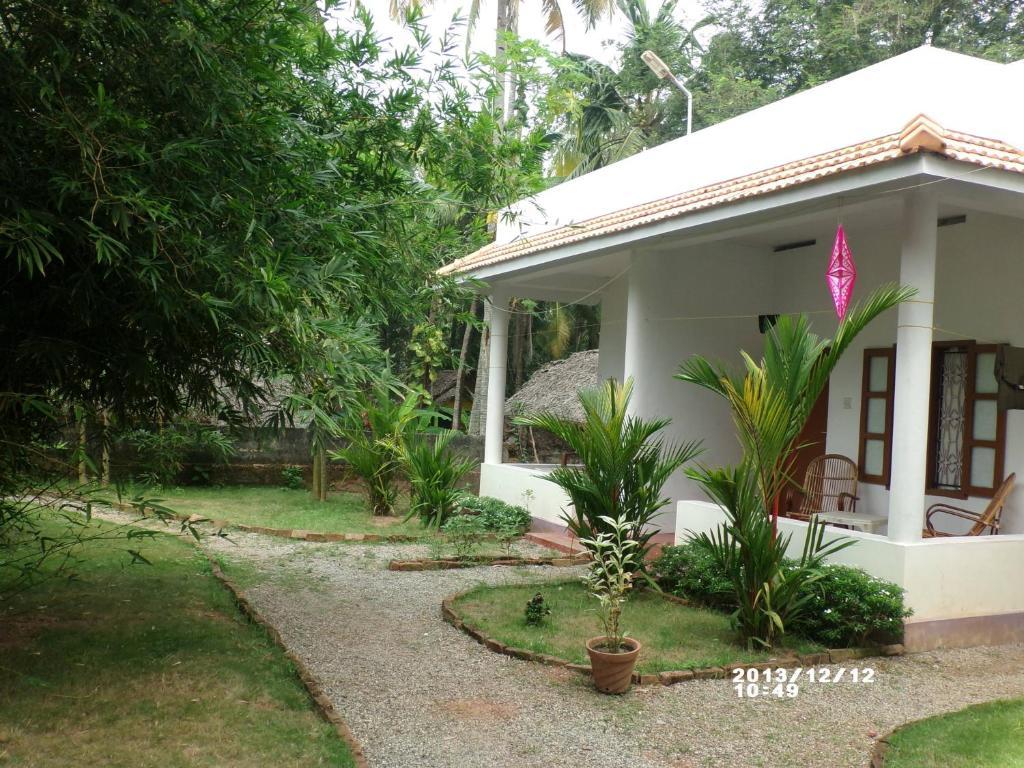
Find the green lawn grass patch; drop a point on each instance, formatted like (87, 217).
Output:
(272, 507)
(149, 665)
(673, 636)
(987, 735)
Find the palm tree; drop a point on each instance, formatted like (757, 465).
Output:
(625, 464)
(770, 401)
(625, 111)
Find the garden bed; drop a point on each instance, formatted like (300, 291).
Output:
(450, 563)
(983, 736)
(680, 641)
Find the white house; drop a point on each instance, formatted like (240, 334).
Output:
(921, 158)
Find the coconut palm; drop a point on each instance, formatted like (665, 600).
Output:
(622, 112)
(770, 401)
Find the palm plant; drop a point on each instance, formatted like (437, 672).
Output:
(375, 431)
(770, 402)
(625, 465)
(434, 471)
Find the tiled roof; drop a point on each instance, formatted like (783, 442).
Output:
(920, 135)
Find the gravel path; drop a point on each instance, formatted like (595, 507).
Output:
(419, 694)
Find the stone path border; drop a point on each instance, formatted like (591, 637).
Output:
(448, 564)
(832, 656)
(879, 749)
(312, 685)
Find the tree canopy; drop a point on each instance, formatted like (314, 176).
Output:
(199, 196)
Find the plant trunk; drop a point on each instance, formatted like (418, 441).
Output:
(317, 474)
(105, 458)
(460, 370)
(476, 420)
(80, 418)
(323, 473)
(507, 21)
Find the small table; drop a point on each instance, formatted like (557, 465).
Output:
(865, 521)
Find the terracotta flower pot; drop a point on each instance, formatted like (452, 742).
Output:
(613, 672)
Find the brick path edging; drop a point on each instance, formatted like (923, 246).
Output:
(323, 704)
(832, 656)
(427, 564)
(878, 751)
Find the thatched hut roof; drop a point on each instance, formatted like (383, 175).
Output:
(442, 389)
(555, 385)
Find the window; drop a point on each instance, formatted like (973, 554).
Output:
(966, 430)
(876, 415)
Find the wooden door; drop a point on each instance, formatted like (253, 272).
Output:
(812, 438)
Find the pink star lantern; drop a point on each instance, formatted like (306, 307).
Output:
(841, 273)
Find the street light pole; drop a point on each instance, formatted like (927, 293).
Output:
(660, 68)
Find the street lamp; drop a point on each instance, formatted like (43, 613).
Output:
(660, 68)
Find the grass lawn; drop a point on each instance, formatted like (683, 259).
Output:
(343, 512)
(983, 736)
(673, 636)
(136, 665)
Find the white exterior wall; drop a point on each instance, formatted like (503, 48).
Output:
(943, 578)
(715, 280)
(526, 486)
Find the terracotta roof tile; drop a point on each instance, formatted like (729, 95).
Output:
(920, 135)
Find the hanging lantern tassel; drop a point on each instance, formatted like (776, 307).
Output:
(841, 274)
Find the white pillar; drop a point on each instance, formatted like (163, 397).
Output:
(638, 327)
(494, 426)
(913, 368)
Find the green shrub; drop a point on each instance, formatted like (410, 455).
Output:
(464, 532)
(292, 478)
(845, 606)
(691, 572)
(496, 515)
(848, 607)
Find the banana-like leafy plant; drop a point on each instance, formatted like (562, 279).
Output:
(770, 401)
(624, 465)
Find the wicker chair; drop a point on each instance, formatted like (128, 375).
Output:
(987, 520)
(830, 485)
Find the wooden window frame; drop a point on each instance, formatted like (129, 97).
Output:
(889, 353)
(968, 441)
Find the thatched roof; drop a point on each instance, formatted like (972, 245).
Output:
(442, 389)
(554, 387)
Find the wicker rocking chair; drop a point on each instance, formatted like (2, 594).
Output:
(985, 522)
(830, 485)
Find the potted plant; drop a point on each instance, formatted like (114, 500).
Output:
(612, 571)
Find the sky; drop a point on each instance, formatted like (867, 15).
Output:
(578, 39)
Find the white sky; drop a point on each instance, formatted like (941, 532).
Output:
(579, 39)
